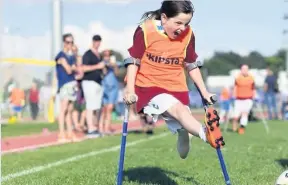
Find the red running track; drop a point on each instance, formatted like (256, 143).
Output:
(45, 139)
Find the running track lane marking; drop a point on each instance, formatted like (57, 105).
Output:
(76, 158)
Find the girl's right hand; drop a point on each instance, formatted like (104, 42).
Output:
(130, 98)
(208, 98)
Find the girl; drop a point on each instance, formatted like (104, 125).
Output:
(111, 88)
(163, 46)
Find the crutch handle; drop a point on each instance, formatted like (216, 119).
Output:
(134, 98)
(214, 98)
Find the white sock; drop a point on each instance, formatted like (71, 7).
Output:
(244, 120)
(202, 133)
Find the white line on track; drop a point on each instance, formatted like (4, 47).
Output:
(76, 158)
(33, 147)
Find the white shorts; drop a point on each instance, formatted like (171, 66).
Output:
(93, 93)
(69, 91)
(160, 104)
(242, 106)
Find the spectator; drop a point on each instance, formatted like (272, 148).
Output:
(91, 84)
(270, 94)
(111, 88)
(34, 101)
(67, 87)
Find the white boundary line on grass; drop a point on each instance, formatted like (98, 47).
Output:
(76, 158)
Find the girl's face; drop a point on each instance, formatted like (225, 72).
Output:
(174, 26)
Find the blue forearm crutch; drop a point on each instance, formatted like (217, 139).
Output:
(219, 153)
(123, 147)
(123, 141)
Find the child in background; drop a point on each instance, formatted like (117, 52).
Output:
(17, 100)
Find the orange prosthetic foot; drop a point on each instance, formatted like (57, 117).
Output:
(213, 132)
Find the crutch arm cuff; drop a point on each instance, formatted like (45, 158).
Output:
(131, 60)
(193, 65)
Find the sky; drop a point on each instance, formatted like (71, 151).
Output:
(223, 25)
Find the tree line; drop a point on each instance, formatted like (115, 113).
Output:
(226, 61)
(223, 62)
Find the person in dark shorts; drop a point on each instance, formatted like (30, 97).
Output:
(91, 83)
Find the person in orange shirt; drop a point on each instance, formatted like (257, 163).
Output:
(244, 93)
(17, 99)
(163, 47)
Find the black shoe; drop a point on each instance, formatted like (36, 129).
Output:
(149, 132)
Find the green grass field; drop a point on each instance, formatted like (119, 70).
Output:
(252, 159)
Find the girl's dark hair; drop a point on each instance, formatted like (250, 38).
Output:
(170, 8)
(66, 36)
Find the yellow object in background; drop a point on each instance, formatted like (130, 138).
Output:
(37, 64)
(12, 120)
(51, 117)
